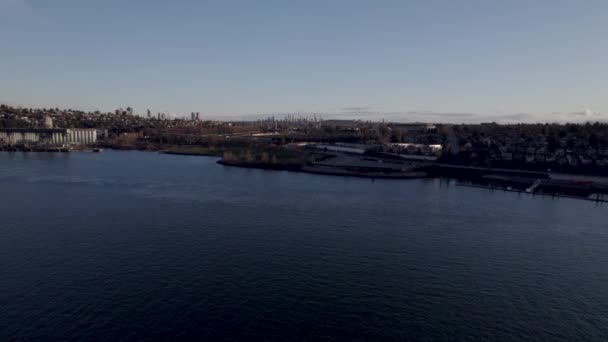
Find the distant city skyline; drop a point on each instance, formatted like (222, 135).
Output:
(433, 61)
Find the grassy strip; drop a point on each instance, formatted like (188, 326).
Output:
(270, 155)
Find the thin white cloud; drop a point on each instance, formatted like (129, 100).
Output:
(588, 113)
(585, 115)
(356, 109)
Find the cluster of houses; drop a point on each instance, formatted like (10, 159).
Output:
(571, 149)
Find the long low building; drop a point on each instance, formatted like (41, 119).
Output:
(48, 136)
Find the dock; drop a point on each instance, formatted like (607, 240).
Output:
(595, 197)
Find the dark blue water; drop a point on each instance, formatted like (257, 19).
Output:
(144, 246)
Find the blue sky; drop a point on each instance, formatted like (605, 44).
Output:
(458, 61)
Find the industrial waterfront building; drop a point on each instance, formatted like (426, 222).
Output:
(48, 136)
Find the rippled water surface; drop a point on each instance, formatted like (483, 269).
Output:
(134, 245)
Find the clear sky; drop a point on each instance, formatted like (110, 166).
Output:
(450, 60)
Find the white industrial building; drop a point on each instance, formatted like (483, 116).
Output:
(48, 136)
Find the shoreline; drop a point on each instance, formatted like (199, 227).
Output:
(177, 153)
(569, 187)
(328, 171)
(495, 188)
(551, 174)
